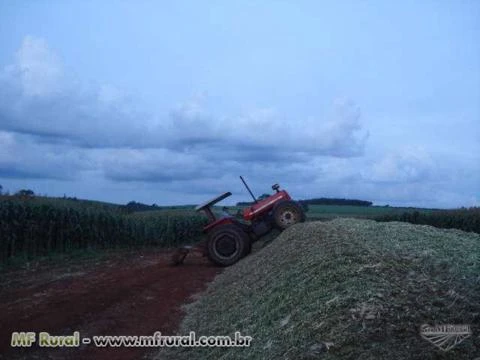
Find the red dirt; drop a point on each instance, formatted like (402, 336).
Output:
(134, 294)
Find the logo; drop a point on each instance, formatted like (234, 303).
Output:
(445, 337)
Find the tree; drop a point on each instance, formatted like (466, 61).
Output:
(25, 192)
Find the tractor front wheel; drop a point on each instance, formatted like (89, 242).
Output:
(227, 244)
(287, 214)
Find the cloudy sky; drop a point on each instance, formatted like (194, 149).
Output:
(169, 102)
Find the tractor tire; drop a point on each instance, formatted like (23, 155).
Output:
(287, 213)
(227, 244)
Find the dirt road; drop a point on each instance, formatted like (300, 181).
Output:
(123, 294)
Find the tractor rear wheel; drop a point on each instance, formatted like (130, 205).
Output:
(227, 244)
(287, 214)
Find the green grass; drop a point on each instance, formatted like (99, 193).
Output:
(343, 289)
(328, 212)
(319, 212)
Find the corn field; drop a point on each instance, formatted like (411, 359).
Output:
(30, 228)
(463, 219)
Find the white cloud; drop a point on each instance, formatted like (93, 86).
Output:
(21, 157)
(110, 95)
(267, 129)
(50, 127)
(52, 106)
(39, 69)
(156, 165)
(409, 164)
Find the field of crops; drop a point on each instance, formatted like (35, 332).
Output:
(467, 219)
(463, 219)
(327, 212)
(33, 227)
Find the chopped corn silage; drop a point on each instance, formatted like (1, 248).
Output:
(343, 289)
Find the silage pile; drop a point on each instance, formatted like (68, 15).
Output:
(343, 289)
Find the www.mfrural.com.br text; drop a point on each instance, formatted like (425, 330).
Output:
(45, 339)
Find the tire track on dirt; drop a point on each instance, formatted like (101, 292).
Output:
(132, 297)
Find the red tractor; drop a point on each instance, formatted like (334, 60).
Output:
(229, 239)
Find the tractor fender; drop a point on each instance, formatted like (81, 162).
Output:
(222, 221)
(284, 202)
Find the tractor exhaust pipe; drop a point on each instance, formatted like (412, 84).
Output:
(248, 189)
